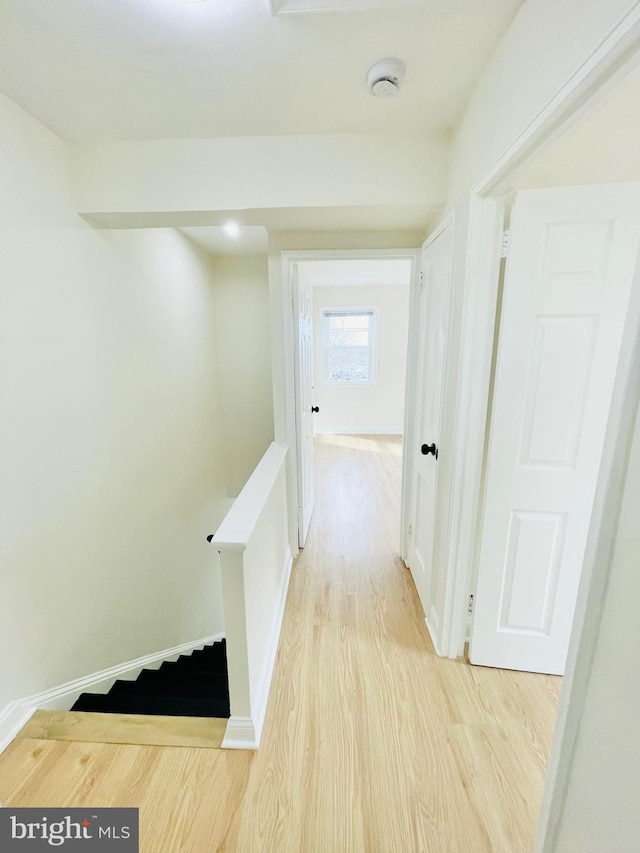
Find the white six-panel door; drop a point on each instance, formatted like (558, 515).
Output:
(433, 335)
(571, 260)
(303, 316)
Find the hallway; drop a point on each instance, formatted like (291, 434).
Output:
(371, 743)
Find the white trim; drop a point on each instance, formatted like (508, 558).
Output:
(17, 713)
(409, 402)
(369, 430)
(467, 452)
(12, 719)
(245, 732)
(240, 734)
(288, 258)
(433, 633)
(611, 59)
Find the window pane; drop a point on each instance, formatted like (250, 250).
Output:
(348, 364)
(350, 330)
(348, 337)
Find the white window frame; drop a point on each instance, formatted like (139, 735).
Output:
(374, 311)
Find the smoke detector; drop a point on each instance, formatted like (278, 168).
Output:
(384, 77)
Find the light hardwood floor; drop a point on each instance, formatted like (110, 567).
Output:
(371, 742)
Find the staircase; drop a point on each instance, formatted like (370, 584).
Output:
(195, 685)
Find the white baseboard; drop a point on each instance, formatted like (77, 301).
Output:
(433, 634)
(240, 734)
(371, 430)
(61, 698)
(13, 718)
(245, 732)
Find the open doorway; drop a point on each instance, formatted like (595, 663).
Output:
(596, 157)
(351, 326)
(572, 257)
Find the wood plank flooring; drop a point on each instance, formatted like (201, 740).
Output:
(203, 732)
(371, 742)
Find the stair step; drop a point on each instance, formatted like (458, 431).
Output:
(168, 676)
(185, 675)
(203, 732)
(203, 657)
(149, 687)
(215, 649)
(187, 664)
(144, 704)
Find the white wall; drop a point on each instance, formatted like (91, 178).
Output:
(546, 43)
(601, 799)
(602, 148)
(326, 170)
(110, 430)
(376, 408)
(244, 357)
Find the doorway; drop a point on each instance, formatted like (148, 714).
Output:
(600, 149)
(350, 329)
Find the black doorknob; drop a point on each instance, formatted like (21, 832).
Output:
(315, 408)
(426, 449)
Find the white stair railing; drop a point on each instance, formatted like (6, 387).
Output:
(255, 560)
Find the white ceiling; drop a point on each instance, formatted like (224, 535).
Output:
(335, 273)
(252, 240)
(142, 69)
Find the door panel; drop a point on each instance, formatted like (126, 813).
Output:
(568, 279)
(303, 313)
(433, 339)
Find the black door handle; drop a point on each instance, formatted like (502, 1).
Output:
(315, 408)
(426, 449)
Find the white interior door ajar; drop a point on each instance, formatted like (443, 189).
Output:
(432, 349)
(303, 318)
(568, 279)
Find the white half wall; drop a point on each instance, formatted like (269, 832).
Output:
(256, 563)
(110, 430)
(371, 408)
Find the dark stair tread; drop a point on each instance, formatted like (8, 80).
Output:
(216, 692)
(160, 705)
(206, 659)
(186, 664)
(184, 675)
(187, 676)
(216, 649)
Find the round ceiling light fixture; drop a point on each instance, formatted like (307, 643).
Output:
(385, 76)
(231, 229)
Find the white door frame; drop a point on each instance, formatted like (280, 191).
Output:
(609, 62)
(289, 258)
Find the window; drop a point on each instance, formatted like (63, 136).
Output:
(349, 346)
